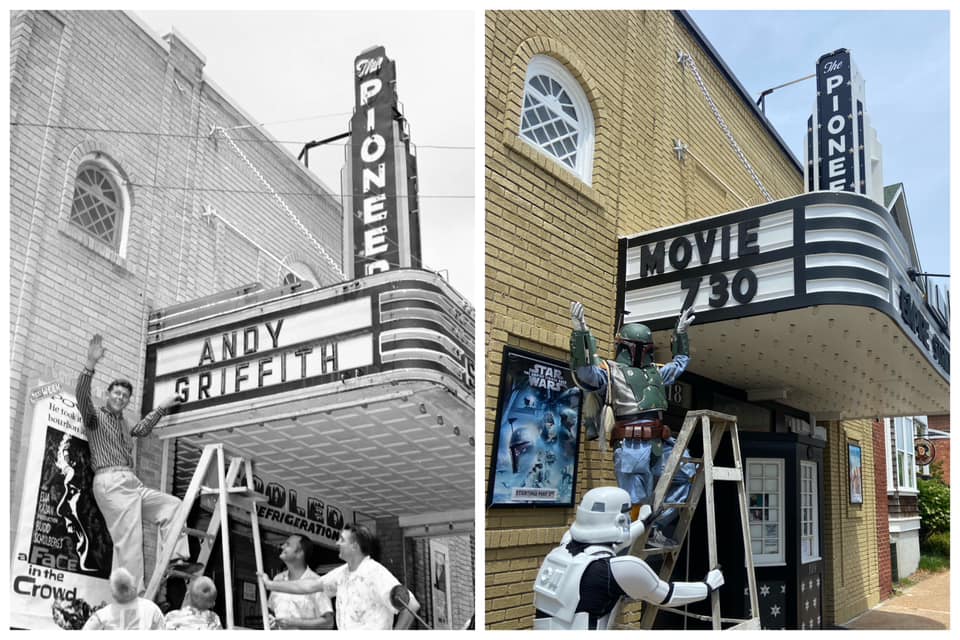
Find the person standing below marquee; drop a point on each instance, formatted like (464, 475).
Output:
(121, 497)
(290, 611)
(128, 611)
(633, 387)
(198, 615)
(362, 586)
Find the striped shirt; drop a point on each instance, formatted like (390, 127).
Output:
(107, 433)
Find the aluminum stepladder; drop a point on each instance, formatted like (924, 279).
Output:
(212, 466)
(712, 425)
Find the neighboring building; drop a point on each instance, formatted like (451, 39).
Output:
(939, 433)
(140, 212)
(608, 176)
(902, 493)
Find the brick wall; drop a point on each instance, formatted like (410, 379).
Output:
(96, 82)
(885, 568)
(851, 554)
(551, 238)
(941, 423)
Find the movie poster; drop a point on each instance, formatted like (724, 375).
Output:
(62, 553)
(537, 434)
(440, 584)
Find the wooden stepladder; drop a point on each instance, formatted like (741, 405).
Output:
(712, 425)
(212, 477)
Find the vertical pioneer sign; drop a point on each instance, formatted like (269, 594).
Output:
(837, 123)
(842, 149)
(383, 228)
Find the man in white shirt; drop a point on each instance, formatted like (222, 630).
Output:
(312, 611)
(127, 611)
(361, 586)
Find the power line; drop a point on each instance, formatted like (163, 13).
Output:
(283, 193)
(187, 136)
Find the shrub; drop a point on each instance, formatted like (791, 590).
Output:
(938, 544)
(934, 504)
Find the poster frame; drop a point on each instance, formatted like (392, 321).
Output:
(503, 398)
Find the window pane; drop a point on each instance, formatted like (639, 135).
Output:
(551, 119)
(96, 204)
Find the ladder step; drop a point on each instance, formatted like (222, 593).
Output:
(199, 533)
(176, 573)
(238, 492)
(693, 460)
(661, 551)
(727, 473)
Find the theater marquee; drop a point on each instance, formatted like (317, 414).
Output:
(279, 342)
(795, 257)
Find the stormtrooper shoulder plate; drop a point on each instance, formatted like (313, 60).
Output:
(557, 588)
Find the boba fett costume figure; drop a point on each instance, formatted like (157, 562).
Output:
(632, 388)
(580, 581)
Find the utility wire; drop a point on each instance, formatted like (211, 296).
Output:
(187, 136)
(283, 205)
(264, 124)
(285, 193)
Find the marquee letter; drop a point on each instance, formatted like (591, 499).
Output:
(368, 89)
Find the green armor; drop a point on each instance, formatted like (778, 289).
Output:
(680, 344)
(645, 385)
(583, 350)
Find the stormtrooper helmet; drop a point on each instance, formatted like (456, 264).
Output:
(603, 516)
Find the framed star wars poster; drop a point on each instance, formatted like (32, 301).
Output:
(537, 433)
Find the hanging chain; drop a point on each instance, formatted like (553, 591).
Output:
(687, 60)
(283, 205)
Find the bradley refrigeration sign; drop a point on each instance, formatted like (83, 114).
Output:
(813, 249)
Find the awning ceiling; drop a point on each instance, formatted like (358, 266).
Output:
(396, 448)
(834, 361)
(358, 395)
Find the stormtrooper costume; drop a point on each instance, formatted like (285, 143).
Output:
(581, 581)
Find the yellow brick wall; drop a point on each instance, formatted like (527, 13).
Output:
(850, 553)
(552, 239)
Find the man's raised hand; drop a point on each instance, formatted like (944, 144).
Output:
(95, 351)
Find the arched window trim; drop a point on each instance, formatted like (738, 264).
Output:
(300, 270)
(102, 163)
(552, 68)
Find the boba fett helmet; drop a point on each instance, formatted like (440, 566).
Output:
(636, 340)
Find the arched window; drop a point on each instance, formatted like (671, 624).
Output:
(556, 116)
(298, 271)
(101, 204)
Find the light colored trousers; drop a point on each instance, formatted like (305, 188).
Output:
(125, 503)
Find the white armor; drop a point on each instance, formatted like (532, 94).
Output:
(557, 588)
(603, 522)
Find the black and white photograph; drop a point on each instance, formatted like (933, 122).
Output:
(243, 248)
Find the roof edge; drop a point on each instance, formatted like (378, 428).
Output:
(689, 23)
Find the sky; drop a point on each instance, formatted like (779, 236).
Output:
(903, 57)
(297, 66)
(293, 72)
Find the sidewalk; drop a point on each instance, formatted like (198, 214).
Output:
(925, 605)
